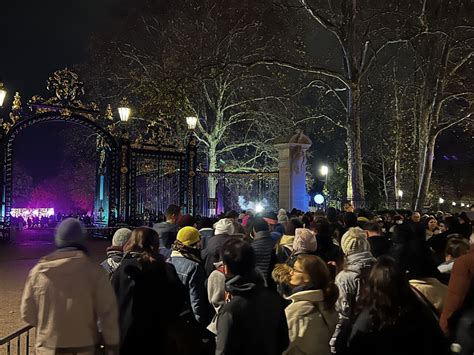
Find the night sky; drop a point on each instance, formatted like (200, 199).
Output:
(39, 37)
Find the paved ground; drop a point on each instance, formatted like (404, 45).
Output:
(16, 260)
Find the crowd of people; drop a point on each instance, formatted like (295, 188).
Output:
(40, 222)
(333, 282)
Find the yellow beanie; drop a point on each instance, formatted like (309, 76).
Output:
(188, 236)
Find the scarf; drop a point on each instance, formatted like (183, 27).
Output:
(189, 253)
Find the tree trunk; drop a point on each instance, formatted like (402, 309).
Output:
(355, 177)
(427, 170)
(212, 179)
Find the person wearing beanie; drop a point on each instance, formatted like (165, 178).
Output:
(186, 258)
(224, 229)
(115, 251)
(66, 295)
(304, 243)
(357, 266)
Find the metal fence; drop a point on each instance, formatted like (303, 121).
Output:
(217, 192)
(17, 342)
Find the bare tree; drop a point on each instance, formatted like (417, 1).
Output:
(445, 53)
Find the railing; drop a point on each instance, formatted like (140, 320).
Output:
(15, 339)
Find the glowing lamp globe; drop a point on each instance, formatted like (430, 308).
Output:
(3, 93)
(258, 208)
(454, 203)
(441, 200)
(124, 110)
(191, 121)
(324, 170)
(319, 199)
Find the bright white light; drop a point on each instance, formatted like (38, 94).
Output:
(3, 93)
(319, 199)
(124, 113)
(258, 208)
(462, 205)
(324, 170)
(441, 200)
(454, 203)
(191, 121)
(400, 193)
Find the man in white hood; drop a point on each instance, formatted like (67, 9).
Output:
(224, 229)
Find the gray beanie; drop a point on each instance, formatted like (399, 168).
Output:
(121, 236)
(70, 233)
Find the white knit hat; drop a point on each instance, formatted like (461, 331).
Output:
(224, 226)
(354, 241)
(305, 240)
(121, 236)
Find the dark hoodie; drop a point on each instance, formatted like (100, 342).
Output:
(254, 320)
(167, 233)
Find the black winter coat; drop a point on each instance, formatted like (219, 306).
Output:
(253, 322)
(264, 247)
(415, 333)
(211, 254)
(150, 298)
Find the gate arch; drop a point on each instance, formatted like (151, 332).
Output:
(110, 148)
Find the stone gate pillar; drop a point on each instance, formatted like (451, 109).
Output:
(292, 171)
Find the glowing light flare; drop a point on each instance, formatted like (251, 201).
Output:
(3, 94)
(319, 199)
(400, 193)
(191, 121)
(454, 203)
(258, 208)
(324, 170)
(441, 200)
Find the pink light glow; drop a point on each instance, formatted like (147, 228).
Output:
(37, 212)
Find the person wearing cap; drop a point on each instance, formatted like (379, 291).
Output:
(224, 229)
(350, 281)
(66, 295)
(115, 251)
(304, 243)
(186, 258)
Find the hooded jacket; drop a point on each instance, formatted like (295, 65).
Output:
(211, 254)
(193, 277)
(264, 246)
(167, 233)
(349, 282)
(65, 295)
(310, 323)
(253, 322)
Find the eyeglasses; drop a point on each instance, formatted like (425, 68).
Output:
(297, 271)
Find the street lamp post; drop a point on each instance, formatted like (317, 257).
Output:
(124, 113)
(440, 202)
(400, 195)
(324, 170)
(191, 154)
